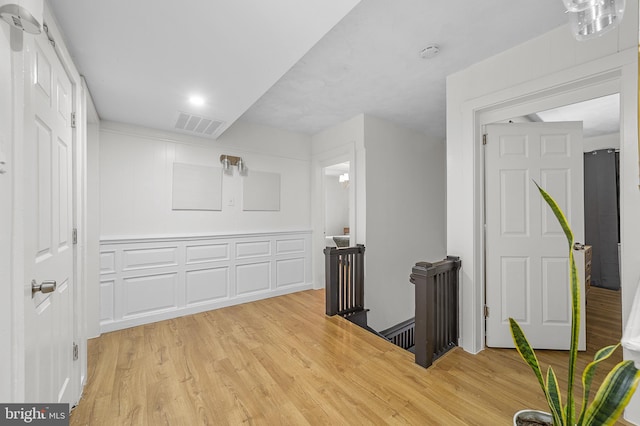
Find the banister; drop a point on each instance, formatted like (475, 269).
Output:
(436, 329)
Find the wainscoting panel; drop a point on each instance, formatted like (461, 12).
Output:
(108, 262)
(206, 285)
(207, 253)
(289, 272)
(252, 249)
(150, 258)
(290, 246)
(149, 294)
(148, 279)
(106, 301)
(253, 277)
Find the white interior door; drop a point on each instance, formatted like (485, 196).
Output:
(527, 263)
(48, 222)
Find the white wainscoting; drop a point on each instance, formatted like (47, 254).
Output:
(148, 279)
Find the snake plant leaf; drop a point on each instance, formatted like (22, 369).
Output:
(526, 351)
(575, 303)
(614, 395)
(529, 356)
(557, 211)
(555, 398)
(575, 335)
(588, 373)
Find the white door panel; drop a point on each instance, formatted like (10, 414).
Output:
(526, 250)
(48, 224)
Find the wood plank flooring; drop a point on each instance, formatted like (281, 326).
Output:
(281, 361)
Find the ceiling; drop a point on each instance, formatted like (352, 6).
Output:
(298, 65)
(599, 116)
(144, 59)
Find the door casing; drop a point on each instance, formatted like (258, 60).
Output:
(520, 101)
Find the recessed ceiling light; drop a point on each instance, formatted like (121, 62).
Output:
(196, 100)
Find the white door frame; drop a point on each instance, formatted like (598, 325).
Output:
(597, 78)
(18, 278)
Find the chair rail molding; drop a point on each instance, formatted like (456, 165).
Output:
(144, 279)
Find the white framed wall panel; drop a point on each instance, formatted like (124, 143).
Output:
(253, 277)
(207, 285)
(290, 246)
(108, 262)
(290, 272)
(202, 253)
(248, 249)
(107, 313)
(149, 293)
(149, 258)
(148, 279)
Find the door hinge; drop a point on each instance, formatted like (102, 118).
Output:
(486, 311)
(74, 236)
(484, 139)
(75, 351)
(73, 120)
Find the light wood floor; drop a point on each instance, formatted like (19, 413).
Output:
(282, 361)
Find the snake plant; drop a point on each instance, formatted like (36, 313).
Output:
(618, 386)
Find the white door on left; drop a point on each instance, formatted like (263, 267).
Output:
(48, 224)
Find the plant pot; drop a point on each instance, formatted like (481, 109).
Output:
(532, 418)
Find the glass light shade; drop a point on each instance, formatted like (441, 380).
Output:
(226, 164)
(597, 20)
(580, 5)
(240, 166)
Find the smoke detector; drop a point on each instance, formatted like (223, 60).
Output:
(430, 51)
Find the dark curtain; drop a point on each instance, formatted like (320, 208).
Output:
(601, 216)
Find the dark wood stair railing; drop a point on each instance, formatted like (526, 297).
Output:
(344, 280)
(436, 328)
(402, 334)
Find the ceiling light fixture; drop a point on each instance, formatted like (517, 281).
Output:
(196, 100)
(592, 18)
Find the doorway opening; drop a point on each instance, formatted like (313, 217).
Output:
(600, 117)
(337, 186)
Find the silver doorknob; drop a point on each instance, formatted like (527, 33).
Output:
(44, 287)
(578, 246)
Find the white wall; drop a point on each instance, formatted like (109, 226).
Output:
(552, 60)
(158, 263)
(136, 166)
(405, 216)
(336, 205)
(6, 206)
(602, 142)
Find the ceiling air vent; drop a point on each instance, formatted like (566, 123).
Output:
(196, 124)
